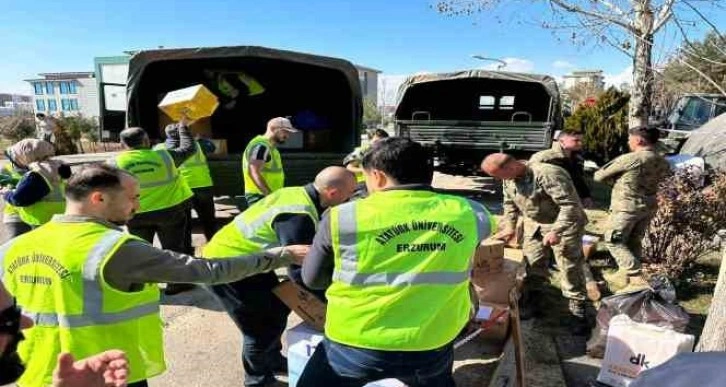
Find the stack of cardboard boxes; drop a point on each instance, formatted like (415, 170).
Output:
(494, 277)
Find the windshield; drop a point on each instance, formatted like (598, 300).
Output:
(692, 112)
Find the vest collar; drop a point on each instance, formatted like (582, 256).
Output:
(84, 219)
(315, 197)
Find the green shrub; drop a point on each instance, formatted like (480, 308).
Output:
(604, 126)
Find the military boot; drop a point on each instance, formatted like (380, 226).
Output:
(529, 304)
(579, 319)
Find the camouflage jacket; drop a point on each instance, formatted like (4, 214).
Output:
(574, 165)
(545, 194)
(635, 177)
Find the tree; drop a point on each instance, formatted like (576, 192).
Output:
(713, 337)
(697, 67)
(371, 115)
(580, 92)
(78, 127)
(604, 126)
(17, 127)
(630, 26)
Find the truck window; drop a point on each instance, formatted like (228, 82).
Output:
(486, 102)
(506, 102)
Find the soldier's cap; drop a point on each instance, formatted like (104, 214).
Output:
(650, 134)
(281, 123)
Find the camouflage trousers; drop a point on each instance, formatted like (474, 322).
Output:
(568, 255)
(624, 238)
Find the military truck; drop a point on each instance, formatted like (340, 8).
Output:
(321, 95)
(462, 116)
(691, 111)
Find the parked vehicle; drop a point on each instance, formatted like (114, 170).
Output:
(462, 116)
(691, 111)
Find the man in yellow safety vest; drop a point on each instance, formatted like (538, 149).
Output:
(261, 161)
(90, 287)
(287, 216)
(397, 264)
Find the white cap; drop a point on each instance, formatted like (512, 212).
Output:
(281, 123)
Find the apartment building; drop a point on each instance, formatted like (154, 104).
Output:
(70, 93)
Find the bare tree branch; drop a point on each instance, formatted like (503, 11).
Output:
(705, 19)
(704, 76)
(612, 7)
(569, 7)
(665, 13)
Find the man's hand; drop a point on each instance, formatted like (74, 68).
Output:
(551, 239)
(505, 235)
(107, 369)
(296, 252)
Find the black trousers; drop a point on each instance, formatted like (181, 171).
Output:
(262, 318)
(203, 204)
(170, 224)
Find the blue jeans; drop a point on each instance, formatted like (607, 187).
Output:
(262, 318)
(338, 365)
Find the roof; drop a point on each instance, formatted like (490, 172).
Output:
(63, 76)
(549, 83)
(364, 68)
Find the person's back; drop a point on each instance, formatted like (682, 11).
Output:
(161, 184)
(395, 249)
(637, 186)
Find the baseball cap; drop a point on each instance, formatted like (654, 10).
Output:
(281, 123)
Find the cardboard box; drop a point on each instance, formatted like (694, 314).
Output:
(489, 254)
(303, 303)
(194, 102)
(301, 343)
(494, 319)
(494, 287)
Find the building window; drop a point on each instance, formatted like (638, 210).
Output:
(65, 104)
(52, 105)
(74, 104)
(38, 88)
(49, 88)
(72, 87)
(506, 102)
(486, 102)
(40, 105)
(63, 87)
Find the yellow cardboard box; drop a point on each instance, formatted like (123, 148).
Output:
(194, 102)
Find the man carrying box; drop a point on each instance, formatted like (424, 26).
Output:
(400, 262)
(553, 220)
(287, 216)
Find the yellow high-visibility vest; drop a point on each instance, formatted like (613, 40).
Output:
(55, 272)
(402, 267)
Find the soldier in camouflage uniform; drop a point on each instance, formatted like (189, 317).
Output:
(565, 153)
(553, 220)
(635, 177)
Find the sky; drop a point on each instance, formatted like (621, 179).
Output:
(398, 37)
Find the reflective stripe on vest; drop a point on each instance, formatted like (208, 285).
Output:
(252, 231)
(348, 273)
(194, 170)
(61, 287)
(272, 171)
(402, 260)
(159, 180)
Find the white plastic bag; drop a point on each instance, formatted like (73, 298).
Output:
(635, 347)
